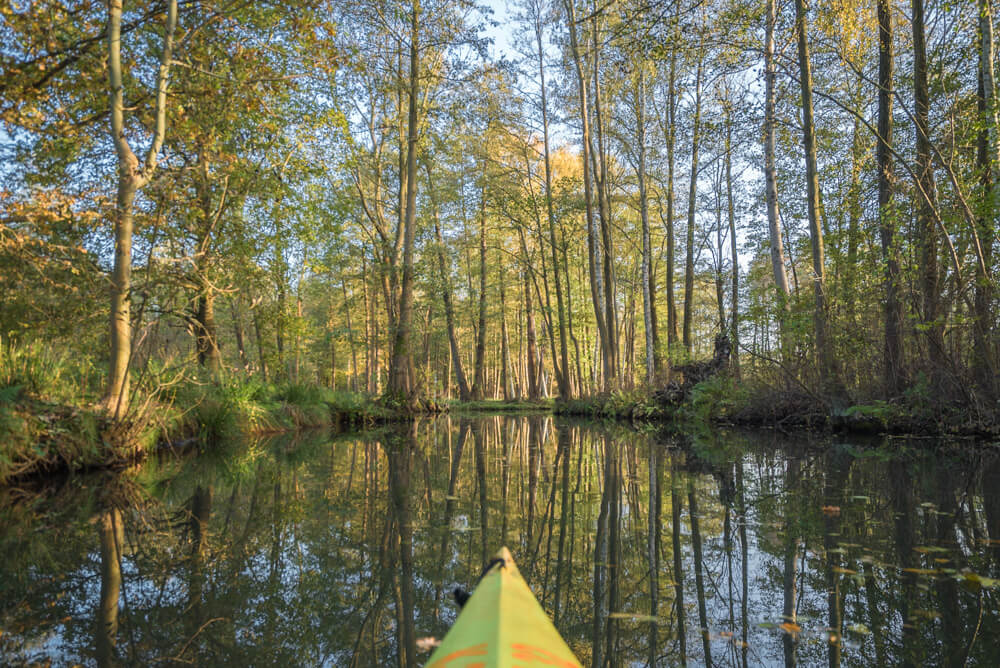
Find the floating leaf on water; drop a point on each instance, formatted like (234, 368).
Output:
(831, 510)
(844, 571)
(790, 628)
(859, 628)
(922, 571)
(632, 617)
(929, 548)
(427, 644)
(975, 581)
(860, 498)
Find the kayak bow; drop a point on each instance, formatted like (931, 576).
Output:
(501, 626)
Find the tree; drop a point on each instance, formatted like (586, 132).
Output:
(132, 177)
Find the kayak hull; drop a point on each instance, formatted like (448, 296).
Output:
(501, 626)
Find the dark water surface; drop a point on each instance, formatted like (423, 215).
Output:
(724, 549)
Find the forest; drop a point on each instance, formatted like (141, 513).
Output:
(408, 204)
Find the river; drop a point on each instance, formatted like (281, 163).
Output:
(716, 548)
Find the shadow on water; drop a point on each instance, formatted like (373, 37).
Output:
(725, 549)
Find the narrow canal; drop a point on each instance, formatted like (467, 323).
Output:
(722, 549)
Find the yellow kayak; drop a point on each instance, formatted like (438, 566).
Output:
(501, 626)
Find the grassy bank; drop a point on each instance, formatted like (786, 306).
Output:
(724, 401)
(50, 417)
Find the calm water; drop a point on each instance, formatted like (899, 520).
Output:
(722, 549)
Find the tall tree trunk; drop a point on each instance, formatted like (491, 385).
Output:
(612, 366)
(588, 195)
(562, 375)
(532, 346)
(671, 135)
(647, 279)
(887, 215)
(824, 350)
(400, 385)
(505, 380)
(988, 158)
(449, 310)
(238, 332)
(926, 229)
(734, 335)
(692, 204)
(479, 381)
(350, 336)
(770, 178)
(131, 179)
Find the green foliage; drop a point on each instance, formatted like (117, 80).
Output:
(714, 400)
(41, 372)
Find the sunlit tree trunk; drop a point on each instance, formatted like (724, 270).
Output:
(824, 347)
(131, 179)
(692, 207)
(534, 392)
(647, 280)
(400, 384)
(479, 379)
(588, 195)
(770, 178)
(612, 365)
(562, 376)
(734, 334)
(671, 133)
(505, 379)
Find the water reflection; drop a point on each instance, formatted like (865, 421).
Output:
(725, 549)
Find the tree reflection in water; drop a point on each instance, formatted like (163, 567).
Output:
(729, 549)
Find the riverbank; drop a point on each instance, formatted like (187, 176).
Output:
(53, 422)
(723, 401)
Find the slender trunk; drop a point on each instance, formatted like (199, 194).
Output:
(588, 195)
(612, 366)
(734, 335)
(647, 296)
(131, 178)
(671, 240)
(479, 381)
(926, 229)
(532, 346)
(207, 335)
(988, 158)
(824, 350)
(770, 179)
(400, 384)
(887, 215)
(508, 392)
(260, 345)
(238, 333)
(692, 202)
(350, 337)
(562, 377)
(449, 310)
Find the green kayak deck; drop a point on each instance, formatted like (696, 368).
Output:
(502, 626)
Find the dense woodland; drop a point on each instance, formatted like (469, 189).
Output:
(382, 197)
